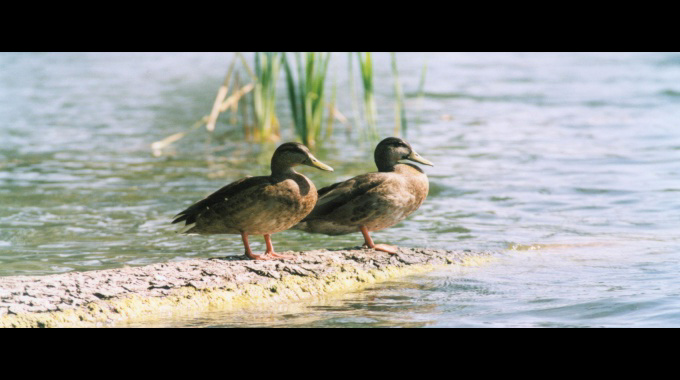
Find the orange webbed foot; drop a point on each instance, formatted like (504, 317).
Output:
(258, 257)
(275, 255)
(386, 248)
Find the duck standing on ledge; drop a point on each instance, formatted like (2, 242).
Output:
(258, 205)
(372, 201)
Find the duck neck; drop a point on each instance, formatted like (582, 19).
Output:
(282, 170)
(383, 167)
(384, 162)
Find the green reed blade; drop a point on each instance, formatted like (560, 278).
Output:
(400, 111)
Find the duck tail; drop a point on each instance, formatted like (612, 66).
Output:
(187, 228)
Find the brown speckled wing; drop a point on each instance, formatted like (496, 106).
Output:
(334, 196)
(215, 199)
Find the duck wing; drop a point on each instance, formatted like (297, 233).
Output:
(338, 194)
(215, 199)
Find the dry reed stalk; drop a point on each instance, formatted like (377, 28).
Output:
(221, 94)
(234, 107)
(235, 97)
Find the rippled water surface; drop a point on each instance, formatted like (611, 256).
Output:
(566, 164)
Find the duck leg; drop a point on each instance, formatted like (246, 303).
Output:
(249, 253)
(378, 247)
(270, 249)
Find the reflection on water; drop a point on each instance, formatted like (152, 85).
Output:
(567, 162)
(390, 304)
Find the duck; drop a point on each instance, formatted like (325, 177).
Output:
(262, 205)
(372, 201)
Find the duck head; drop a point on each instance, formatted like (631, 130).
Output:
(291, 154)
(392, 149)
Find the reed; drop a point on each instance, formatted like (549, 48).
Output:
(331, 107)
(221, 94)
(352, 92)
(234, 108)
(370, 111)
(253, 99)
(267, 68)
(421, 92)
(306, 93)
(421, 84)
(399, 110)
(221, 104)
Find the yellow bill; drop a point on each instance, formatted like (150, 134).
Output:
(313, 161)
(414, 156)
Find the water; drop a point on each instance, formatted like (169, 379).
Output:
(567, 164)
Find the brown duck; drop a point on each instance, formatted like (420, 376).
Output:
(258, 205)
(372, 201)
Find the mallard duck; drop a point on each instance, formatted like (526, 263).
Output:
(372, 201)
(258, 205)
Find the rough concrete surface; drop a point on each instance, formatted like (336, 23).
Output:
(113, 296)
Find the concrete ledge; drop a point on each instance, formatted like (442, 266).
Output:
(115, 296)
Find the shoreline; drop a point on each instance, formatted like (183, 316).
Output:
(112, 297)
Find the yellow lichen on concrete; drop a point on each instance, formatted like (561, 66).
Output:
(188, 300)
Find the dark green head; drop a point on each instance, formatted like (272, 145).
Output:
(391, 150)
(292, 154)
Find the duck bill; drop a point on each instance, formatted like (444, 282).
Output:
(318, 164)
(414, 156)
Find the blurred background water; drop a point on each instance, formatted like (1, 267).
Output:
(567, 164)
